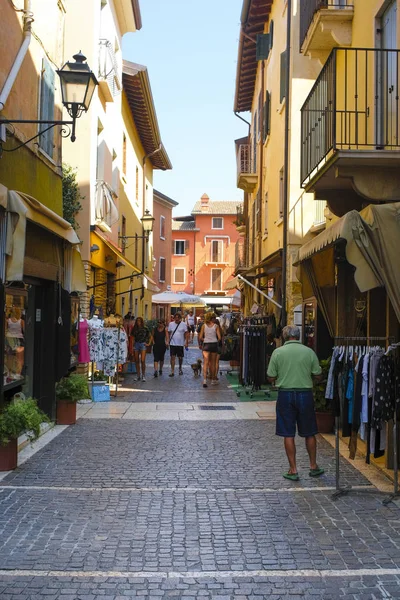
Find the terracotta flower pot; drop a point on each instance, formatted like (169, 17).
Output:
(9, 456)
(66, 412)
(325, 422)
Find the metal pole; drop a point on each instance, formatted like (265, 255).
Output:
(259, 291)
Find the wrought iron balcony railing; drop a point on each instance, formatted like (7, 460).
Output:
(308, 8)
(353, 106)
(244, 162)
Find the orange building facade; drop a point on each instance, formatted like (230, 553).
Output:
(203, 258)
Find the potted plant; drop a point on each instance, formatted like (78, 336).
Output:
(16, 418)
(69, 390)
(325, 418)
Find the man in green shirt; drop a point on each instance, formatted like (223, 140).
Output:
(292, 369)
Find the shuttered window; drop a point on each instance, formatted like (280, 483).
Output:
(216, 280)
(161, 275)
(217, 223)
(283, 76)
(179, 247)
(255, 126)
(267, 116)
(46, 140)
(216, 251)
(179, 275)
(162, 227)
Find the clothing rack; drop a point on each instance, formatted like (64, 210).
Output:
(341, 490)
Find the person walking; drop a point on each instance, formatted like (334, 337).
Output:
(177, 339)
(209, 337)
(292, 368)
(159, 341)
(141, 341)
(190, 322)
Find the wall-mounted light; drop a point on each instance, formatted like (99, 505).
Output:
(94, 248)
(147, 222)
(77, 87)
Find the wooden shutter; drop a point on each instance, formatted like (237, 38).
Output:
(255, 127)
(283, 75)
(162, 269)
(262, 46)
(267, 115)
(186, 246)
(216, 279)
(46, 141)
(271, 35)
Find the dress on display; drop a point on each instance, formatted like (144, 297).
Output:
(83, 346)
(115, 349)
(96, 344)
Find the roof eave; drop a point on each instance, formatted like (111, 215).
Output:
(137, 14)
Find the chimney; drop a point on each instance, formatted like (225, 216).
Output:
(204, 200)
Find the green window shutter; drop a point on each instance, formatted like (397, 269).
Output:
(46, 141)
(262, 46)
(283, 75)
(271, 35)
(267, 115)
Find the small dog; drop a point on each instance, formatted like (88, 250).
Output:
(196, 368)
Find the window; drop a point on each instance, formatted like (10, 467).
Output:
(217, 251)
(179, 275)
(137, 184)
(123, 234)
(283, 76)
(162, 227)
(217, 223)
(46, 140)
(266, 215)
(161, 271)
(281, 191)
(254, 146)
(216, 280)
(258, 212)
(267, 116)
(260, 121)
(179, 247)
(124, 154)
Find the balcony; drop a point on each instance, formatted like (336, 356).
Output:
(350, 130)
(324, 25)
(240, 255)
(246, 177)
(109, 78)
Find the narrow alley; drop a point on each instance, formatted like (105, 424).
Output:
(151, 496)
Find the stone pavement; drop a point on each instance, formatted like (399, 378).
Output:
(152, 497)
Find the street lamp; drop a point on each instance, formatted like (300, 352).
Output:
(147, 222)
(77, 87)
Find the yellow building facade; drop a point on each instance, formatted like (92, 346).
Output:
(322, 139)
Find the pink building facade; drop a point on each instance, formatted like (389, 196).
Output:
(204, 250)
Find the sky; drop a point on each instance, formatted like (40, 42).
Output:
(190, 49)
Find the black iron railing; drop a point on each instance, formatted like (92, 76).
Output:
(353, 105)
(308, 8)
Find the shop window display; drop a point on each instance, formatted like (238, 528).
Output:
(14, 347)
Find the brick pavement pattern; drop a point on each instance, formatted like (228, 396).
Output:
(113, 509)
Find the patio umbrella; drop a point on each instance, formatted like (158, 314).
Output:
(178, 299)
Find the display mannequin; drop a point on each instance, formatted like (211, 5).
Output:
(95, 322)
(83, 346)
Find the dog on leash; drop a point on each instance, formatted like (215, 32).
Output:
(196, 367)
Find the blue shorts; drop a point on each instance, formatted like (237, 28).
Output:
(140, 346)
(295, 407)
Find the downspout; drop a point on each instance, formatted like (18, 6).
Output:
(260, 188)
(145, 157)
(286, 191)
(28, 19)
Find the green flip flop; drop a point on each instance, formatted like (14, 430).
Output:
(291, 476)
(316, 472)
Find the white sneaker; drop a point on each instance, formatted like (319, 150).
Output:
(143, 379)
(136, 378)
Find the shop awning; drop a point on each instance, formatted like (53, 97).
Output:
(217, 300)
(372, 237)
(20, 208)
(150, 283)
(233, 284)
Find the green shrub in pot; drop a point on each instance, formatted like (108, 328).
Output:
(18, 417)
(72, 388)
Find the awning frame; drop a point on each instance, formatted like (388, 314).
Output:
(259, 291)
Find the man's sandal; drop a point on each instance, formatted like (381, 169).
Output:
(291, 476)
(316, 472)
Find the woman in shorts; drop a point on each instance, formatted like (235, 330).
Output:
(209, 337)
(141, 340)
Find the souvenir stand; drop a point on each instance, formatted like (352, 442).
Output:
(363, 409)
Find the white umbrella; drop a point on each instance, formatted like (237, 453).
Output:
(178, 299)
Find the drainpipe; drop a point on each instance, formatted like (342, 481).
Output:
(286, 191)
(28, 19)
(144, 208)
(260, 188)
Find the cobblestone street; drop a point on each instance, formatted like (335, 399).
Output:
(151, 496)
